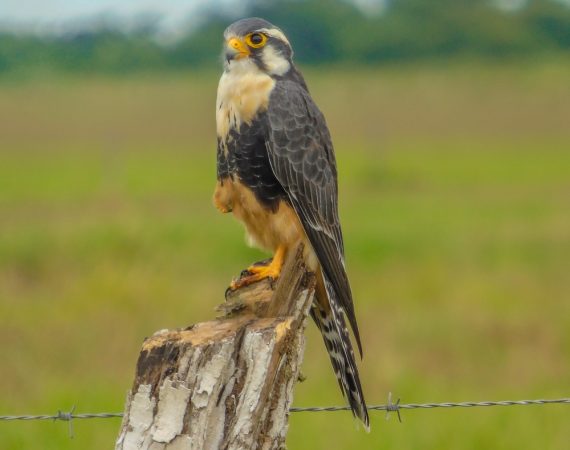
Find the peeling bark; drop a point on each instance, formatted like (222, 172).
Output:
(227, 383)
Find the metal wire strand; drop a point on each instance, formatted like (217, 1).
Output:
(63, 416)
(388, 407)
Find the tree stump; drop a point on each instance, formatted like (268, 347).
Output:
(227, 383)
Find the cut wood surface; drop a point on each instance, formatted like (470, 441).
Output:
(227, 383)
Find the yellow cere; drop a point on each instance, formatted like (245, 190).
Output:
(239, 46)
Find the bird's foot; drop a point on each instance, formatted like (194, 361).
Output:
(269, 268)
(256, 273)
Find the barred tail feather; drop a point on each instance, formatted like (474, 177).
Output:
(337, 341)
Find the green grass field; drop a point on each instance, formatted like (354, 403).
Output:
(455, 202)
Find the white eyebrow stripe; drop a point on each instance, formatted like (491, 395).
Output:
(274, 32)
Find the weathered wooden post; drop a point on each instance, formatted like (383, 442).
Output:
(228, 383)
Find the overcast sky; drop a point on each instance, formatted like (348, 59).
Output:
(48, 15)
(56, 10)
(53, 15)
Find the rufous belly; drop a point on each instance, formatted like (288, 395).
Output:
(265, 229)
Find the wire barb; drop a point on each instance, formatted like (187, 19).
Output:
(391, 407)
(68, 417)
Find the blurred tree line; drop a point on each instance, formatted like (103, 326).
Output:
(322, 31)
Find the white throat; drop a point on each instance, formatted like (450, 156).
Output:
(243, 92)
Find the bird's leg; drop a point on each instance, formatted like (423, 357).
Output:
(273, 268)
(259, 271)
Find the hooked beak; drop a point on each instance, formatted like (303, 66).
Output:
(236, 49)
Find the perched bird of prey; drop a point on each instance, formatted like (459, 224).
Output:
(277, 173)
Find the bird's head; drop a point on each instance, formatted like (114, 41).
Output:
(256, 41)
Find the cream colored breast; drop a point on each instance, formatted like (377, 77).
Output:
(243, 91)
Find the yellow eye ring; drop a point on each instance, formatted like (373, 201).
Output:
(256, 40)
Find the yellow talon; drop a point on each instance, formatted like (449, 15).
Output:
(259, 272)
(269, 271)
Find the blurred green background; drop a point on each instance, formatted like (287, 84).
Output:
(452, 129)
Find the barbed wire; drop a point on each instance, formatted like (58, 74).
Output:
(65, 416)
(389, 407)
(396, 407)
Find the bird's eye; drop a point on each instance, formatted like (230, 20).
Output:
(256, 40)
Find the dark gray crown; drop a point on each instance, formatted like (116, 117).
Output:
(248, 25)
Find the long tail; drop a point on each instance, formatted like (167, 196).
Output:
(337, 341)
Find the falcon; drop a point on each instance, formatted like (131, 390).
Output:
(277, 174)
